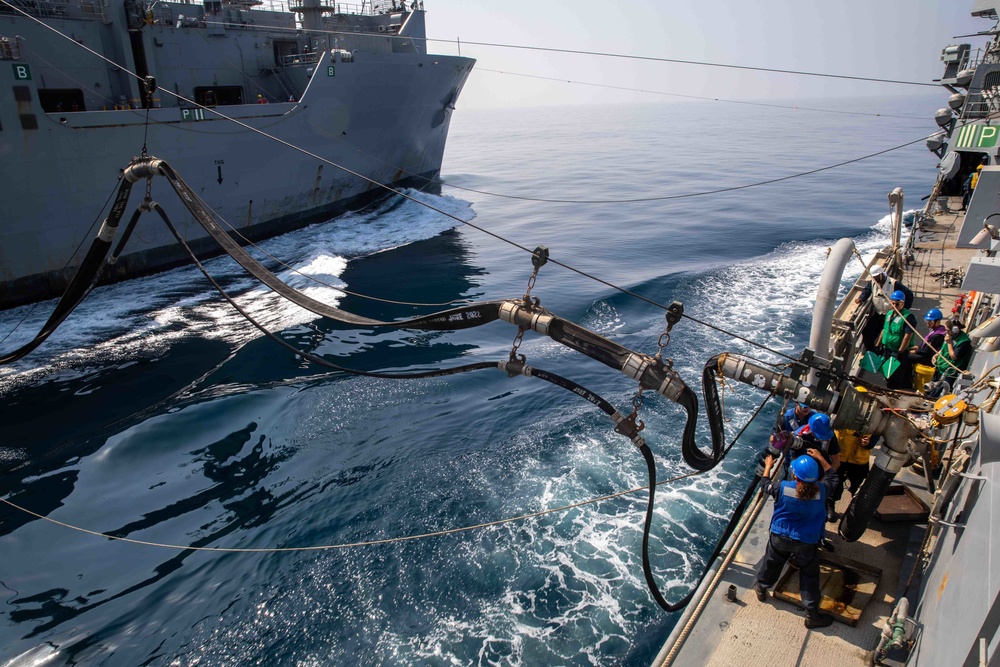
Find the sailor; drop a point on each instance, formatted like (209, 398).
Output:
(896, 334)
(929, 346)
(261, 99)
(855, 452)
(796, 529)
(796, 417)
(972, 181)
(818, 434)
(878, 290)
(955, 354)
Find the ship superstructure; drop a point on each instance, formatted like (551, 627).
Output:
(268, 110)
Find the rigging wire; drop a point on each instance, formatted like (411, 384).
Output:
(699, 97)
(691, 194)
(367, 543)
(429, 206)
(383, 36)
(68, 261)
(389, 540)
(627, 56)
(233, 230)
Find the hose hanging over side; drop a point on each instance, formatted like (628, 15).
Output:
(514, 367)
(463, 317)
(86, 274)
(651, 372)
(319, 361)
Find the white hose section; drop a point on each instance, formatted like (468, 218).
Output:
(826, 300)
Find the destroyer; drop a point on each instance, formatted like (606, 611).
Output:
(353, 84)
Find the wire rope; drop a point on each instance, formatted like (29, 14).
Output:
(699, 97)
(434, 208)
(701, 63)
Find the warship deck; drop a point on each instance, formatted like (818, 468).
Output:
(748, 633)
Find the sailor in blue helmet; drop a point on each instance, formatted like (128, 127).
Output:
(795, 417)
(797, 526)
(819, 433)
(932, 342)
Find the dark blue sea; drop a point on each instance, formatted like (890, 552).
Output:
(157, 414)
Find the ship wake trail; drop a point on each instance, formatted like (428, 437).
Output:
(121, 321)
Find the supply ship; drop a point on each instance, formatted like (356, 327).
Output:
(910, 571)
(225, 90)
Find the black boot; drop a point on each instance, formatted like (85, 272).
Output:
(820, 620)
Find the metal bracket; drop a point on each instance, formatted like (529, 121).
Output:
(969, 475)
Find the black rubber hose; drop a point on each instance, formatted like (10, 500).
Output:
(308, 356)
(83, 280)
(462, 317)
(863, 506)
(730, 527)
(647, 571)
(688, 400)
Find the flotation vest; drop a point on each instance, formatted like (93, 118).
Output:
(962, 362)
(791, 421)
(895, 329)
(880, 298)
(851, 450)
(802, 520)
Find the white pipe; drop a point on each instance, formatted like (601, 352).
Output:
(826, 300)
(896, 202)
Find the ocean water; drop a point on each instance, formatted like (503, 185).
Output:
(157, 414)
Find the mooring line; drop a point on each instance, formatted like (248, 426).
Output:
(349, 545)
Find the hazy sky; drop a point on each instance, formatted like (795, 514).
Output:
(889, 39)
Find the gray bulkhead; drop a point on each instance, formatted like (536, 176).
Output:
(373, 102)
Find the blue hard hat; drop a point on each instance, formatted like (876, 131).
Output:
(898, 295)
(933, 314)
(806, 469)
(819, 424)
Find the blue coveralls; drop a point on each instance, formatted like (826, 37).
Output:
(797, 526)
(792, 423)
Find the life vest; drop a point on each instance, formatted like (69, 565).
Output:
(939, 330)
(851, 450)
(895, 329)
(962, 362)
(880, 298)
(792, 423)
(881, 303)
(802, 520)
(975, 178)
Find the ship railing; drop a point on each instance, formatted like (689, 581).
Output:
(298, 59)
(365, 8)
(90, 10)
(981, 104)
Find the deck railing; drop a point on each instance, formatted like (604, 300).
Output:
(59, 9)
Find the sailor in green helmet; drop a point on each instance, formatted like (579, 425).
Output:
(896, 334)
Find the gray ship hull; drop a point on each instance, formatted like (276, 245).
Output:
(383, 116)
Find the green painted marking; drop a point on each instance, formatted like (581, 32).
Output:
(977, 136)
(192, 114)
(22, 72)
(330, 71)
